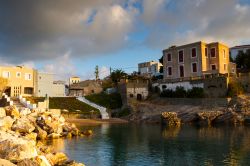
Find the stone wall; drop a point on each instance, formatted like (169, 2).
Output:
(216, 87)
(213, 86)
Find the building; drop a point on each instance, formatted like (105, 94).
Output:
(74, 80)
(151, 68)
(46, 86)
(21, 80)
(85, 88)
(195, 60)
(30, 82)
(234, 51)
(137, 89)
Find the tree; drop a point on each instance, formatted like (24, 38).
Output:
(243, 60)
(117, 75)
(3, 85)
(96, 73)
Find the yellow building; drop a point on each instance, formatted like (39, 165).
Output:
(20, 80)
(74, 80)
(195, 60)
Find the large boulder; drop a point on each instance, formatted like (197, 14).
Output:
(42, 161)
(41, 134)
(6, 122)
(28, 162)
(15, 148)
(208, 117)
(56, 159)
(2, 112)
(23, 125)
(12, 111)
(4, 162)
(25, 112)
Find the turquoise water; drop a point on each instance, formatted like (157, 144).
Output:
(139, 145)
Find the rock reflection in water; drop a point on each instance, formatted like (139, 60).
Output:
(131, 145)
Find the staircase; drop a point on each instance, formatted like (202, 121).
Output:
(102, 110)
(18, 104)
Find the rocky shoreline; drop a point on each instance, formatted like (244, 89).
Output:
(21, 135)
(236, 113)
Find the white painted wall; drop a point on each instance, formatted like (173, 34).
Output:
(135, 91)
(45, 86)
(172, 86)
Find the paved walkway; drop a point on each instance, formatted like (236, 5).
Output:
(102, 110)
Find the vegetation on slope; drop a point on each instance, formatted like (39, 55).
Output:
(110, 101)
(68, 103)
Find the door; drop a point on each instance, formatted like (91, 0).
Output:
(181, 71)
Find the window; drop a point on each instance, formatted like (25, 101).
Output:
(181, 71)
(194, 67)
(181, 56)
(169, 57)
(224, 53)
(212, 52)
(18, 74)
(193, 52)
(169, 71)
(27, 76)
(225, 67)
(213, 67)
(6, 74)
(206, 52)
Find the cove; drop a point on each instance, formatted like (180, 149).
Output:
(144, 144)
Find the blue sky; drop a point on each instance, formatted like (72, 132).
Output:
(72, 37)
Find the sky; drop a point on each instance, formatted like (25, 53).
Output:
(69, 38)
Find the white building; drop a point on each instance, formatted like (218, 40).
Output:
(151, 68)
(235, 50)
(46, 86)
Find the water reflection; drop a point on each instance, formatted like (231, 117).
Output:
(155, 145)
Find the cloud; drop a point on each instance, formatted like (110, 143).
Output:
(45, 29)
(62, 67)
(186, 21)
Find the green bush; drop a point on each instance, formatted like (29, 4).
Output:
(235, 89)
(110, 101)
(195, 92)
(180, 92)
(167, 93)
(124, 112)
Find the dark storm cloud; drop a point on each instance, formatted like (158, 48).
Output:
(41, 29)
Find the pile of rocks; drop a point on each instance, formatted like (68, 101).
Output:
(21, 132)
(171, 119)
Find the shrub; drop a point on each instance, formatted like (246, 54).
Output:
(167, 93)
(180, 92)
(124, 112)
(195, 92)
(235, 89)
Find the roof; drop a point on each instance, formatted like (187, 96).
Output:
(241, 46)
(84, 84)
(198, 42)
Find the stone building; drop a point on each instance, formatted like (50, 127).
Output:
(137, 89)
(195, 60)
(85, 88)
